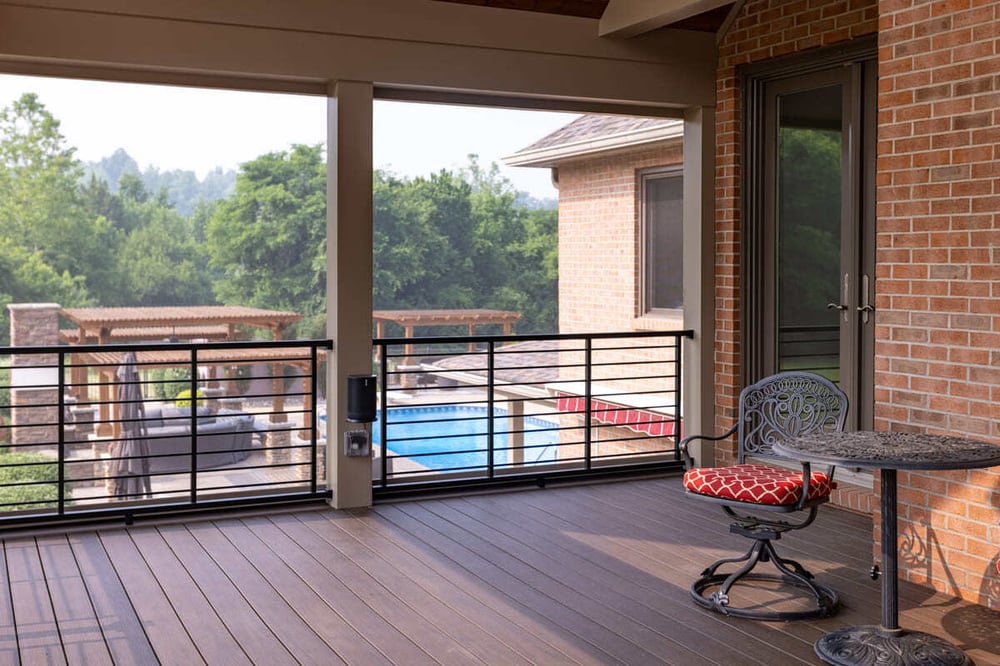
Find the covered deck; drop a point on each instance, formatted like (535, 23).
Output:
(593, 574)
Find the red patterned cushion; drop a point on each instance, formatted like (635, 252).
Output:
(757, 484)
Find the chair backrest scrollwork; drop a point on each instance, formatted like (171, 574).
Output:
(787, 404)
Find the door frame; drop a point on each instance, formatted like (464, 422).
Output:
(757, 265)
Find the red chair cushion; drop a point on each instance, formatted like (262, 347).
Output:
(755, 484)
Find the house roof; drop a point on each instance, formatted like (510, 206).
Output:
(590, 134)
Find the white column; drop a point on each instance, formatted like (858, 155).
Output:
(349, 277)
(697, 392)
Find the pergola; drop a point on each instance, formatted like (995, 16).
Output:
(216, 322)
(104, 325)
(410, 319)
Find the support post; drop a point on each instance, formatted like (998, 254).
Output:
(349, 276)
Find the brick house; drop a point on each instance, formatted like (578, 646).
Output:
(906, 89)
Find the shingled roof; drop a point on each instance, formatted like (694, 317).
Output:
(591, 134)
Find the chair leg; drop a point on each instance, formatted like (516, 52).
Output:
(791, 573)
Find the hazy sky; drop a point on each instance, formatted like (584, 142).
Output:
(196, 129)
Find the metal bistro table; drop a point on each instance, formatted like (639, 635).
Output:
(890, 451)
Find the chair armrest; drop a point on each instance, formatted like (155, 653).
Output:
(685, 443)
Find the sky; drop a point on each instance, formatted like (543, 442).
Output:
(197, 129)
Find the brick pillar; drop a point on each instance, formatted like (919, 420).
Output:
(34, 377)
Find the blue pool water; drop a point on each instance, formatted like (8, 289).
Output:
(454, 437)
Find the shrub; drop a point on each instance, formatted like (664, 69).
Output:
(21, 468)
(184, 398)
(165, 383)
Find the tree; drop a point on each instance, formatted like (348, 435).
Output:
(40, 207)
(26, 278)
(268, 241)
(463, 240)
(46, 239)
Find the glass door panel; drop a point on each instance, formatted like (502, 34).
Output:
(808, 219)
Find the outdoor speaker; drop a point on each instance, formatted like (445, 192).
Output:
(361, 398)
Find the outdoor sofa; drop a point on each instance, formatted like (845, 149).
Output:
(224, 438)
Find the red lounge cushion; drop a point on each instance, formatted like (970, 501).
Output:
(756, 484)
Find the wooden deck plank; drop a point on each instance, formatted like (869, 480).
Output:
(640, 626)
(123, 632)
(559, 628)
(419, 565)
(9, 652)
(39, 641)
(604, 562)
(381, 599)
(682, 543)
(79, 629)
(344, 642)
(246, 627)
(301, 642)
(154, 581)
(586, 574)
(389, 639)
(445, 619)
(574, 611)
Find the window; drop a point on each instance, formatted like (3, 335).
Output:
(661, 210)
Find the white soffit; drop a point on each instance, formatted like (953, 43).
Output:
(628, 18)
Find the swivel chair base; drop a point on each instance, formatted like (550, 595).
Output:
(791, 573)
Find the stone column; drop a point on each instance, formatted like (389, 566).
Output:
(34, 378)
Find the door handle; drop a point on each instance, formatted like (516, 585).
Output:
(836, 306)
(866, 307)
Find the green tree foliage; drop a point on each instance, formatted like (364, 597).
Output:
(268, 241)
(464, 240)
(115, 236)
(184, 190)
(161, 261)
(45, 238)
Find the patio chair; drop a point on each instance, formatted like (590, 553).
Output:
(759, 497)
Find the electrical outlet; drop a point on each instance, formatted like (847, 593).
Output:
(357, 443)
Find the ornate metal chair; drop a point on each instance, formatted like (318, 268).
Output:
(758, 496)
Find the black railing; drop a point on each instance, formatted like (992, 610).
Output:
(484, 410)
(103, 431)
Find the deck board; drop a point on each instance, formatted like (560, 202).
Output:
(123, 633)
(38, 635)
(80, 632)
(584, 574)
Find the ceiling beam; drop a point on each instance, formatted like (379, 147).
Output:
(628, 18)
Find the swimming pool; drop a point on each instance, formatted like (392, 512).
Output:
(454, 437)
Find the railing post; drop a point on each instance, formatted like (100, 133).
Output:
(194, 424)
(383, 424)
(313, 405)
(61, 437)
(490, 399)
(587, 397)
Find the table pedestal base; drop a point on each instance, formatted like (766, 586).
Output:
(871, 645)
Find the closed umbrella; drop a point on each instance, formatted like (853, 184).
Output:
(129, 469)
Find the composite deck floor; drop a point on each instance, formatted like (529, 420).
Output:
(594, 574)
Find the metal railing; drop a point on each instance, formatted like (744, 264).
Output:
(112, 431)
(466, 412)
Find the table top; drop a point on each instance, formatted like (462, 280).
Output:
(891, 450)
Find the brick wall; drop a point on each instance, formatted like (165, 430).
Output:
(938, 287)
(764, 29)
(599, 239)
(938, 250)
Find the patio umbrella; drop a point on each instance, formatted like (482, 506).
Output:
(129, 469)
